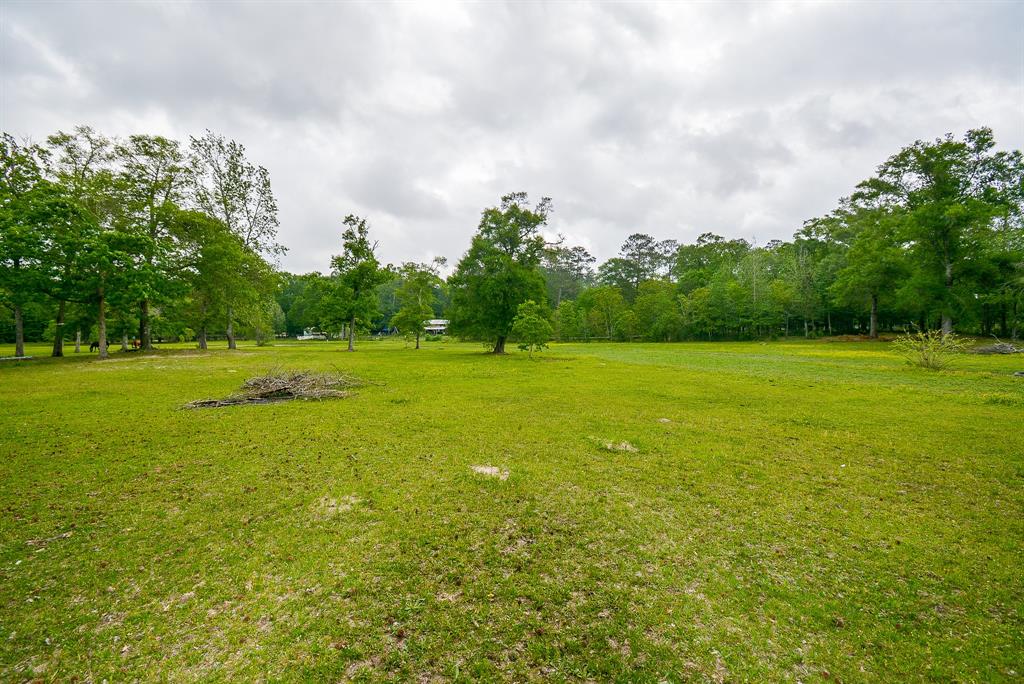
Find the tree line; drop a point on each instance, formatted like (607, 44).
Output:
(934, 239)
(148, 236)
(140, 237)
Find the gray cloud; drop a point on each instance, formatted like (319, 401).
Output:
(743, 119)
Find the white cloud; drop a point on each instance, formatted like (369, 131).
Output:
(673, 119)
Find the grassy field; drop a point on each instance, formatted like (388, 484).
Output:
(672, 512)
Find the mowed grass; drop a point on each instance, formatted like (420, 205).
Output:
(792, 511)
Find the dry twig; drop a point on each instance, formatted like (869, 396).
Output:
(280, 385)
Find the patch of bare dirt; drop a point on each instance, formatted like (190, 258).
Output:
(622, 446)
(329, 507)
(490, 471)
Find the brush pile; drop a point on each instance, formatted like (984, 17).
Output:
(999, 348)
(284, 386)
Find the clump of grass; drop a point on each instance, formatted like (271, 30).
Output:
(931, 349)
(285, 385)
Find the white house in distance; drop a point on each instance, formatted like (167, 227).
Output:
(436, 326)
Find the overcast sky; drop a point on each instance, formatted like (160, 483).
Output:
(671, 119)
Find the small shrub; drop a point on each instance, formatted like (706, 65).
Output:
(931, 349)
(531, 328)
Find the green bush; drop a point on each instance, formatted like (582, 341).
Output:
(930, 349)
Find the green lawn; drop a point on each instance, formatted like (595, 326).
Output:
(791, 511)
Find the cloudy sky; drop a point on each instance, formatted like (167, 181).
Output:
(671, 119)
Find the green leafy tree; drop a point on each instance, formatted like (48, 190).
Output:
(657, 311)
(530, 327)
(357, 273)
(110, 259)
(230, 188)
(23, 216)
(222, 273)
(417, 285)
(952, 192)
(300, 297)
(569, 324)
(500, 271)
(567, 270)
(80, 162)
(641, 258)
(627, 327)
(153, 178)
(695, 265)
(874, 265)
(603, 305)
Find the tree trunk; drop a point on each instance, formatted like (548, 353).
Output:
(807, 332)
(417, 340)
(947, 323)
(352, 334)
(873, 330)
(124, 340)
(947, 318)
(145, 326)
(101, 323)
(78, 341)
(202, 337)
(19, 331)
(58, 337)
(231, 329)
(499, 346)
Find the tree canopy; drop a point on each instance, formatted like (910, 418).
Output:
(500, 271)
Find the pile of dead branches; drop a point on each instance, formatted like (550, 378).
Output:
(998, 348)
(284, 386)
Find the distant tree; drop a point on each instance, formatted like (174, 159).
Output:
(695, 265)
(357, 273)
(238, 193)
(874, 266)
(568, 321)
(500, 271)
(110, 257)
(567, 270)
(153, 178)
(417, 285)
(221, 272)
(603, 305)
(953, 192)
(780, 301)
(643, 258)
(620, 274)
(698, 313)
(530, 327)
(300, 297)
(231, 188)
(80, 162)
(21, 235)
(657, 311)
(626, 327)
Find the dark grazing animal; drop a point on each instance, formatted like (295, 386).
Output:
(94, 346)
